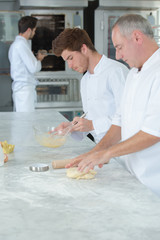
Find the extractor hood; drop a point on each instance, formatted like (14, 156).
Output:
(52, 3)
(136, 4)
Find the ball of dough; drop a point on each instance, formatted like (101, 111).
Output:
(74, 173)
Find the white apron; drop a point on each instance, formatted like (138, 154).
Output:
(24, 99)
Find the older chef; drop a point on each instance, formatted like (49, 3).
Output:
(137, 124)
(101, 86)
(24, 65)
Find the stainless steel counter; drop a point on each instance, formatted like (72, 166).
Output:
(48, 205)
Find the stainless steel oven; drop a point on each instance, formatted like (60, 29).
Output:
(49, 27)
(109, 11)
(53, 17)
(58, 86)
(59, 92)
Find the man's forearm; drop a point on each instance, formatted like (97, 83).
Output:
(113, 136)
(138, 142)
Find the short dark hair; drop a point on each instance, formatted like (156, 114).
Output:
(27, 22)
(71, 39)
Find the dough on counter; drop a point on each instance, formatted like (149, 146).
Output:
(74, 173)
(7, 148)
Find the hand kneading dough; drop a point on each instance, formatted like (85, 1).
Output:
(74, 173)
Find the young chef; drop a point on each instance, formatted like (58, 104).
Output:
(24, 65)
(101, 86)
(137, 124)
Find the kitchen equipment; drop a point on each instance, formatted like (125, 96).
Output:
(58, 85)
(60, 163)
(39, 167)
(61, 93)
(44, 137)
(109, 11)
(58, 91)
(51, 22)
(48, 25)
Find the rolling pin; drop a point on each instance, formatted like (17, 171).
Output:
(60, 163)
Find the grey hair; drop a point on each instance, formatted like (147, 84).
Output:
(130, 22)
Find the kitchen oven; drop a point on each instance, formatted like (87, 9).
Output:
(57, 91)
(58, 86)
(109, 11)
(62, 93)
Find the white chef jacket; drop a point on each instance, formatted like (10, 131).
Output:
(140, 110)
(101, 94)
(23, 67)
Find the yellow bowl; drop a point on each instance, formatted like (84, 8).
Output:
(46, 136)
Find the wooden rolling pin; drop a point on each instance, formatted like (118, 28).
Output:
(60, 163)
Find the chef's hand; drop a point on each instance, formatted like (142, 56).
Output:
(89, 160)
(96, 158)
(62, 127)
(41, 54)
(82, 125)
(75, 161)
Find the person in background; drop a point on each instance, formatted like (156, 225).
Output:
(135, 130)
(101, 86)
(23, 66)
